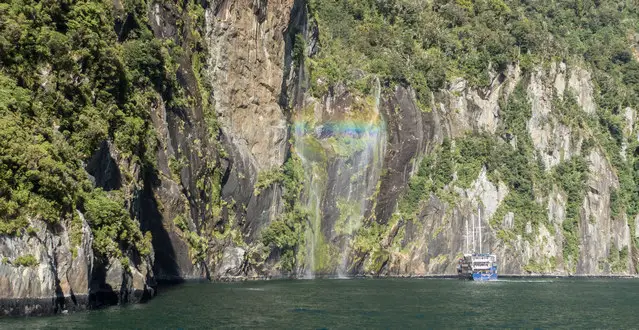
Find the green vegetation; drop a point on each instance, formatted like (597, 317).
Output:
(25, 261)
(346, 146)
(428, 43)
(181, 223)
(66, 85)
(571, 176)
(75, 233)
(287, 233)
(546, 265)
(518, 167)
(618, 259)
(266, 179)
(349, 213)
(368, 242)
(326, 256)
(299, 48)
(175, 166)
(434, 173)
(39, 177)
(112, 225)
(198, 245)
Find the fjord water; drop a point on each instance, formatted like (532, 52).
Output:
(371, 304)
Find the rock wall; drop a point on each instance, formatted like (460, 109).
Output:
(62, 277)
(433, 242)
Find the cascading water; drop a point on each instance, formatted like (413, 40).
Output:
(341, 145)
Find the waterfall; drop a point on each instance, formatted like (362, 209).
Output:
(341, 145)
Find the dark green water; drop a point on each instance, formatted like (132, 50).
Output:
(370, 303)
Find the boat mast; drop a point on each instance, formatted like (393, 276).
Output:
(479, 217)
(473, 219)
(466, 251)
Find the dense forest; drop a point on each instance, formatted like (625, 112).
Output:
(74, 74)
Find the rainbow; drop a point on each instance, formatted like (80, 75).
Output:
(347, 128)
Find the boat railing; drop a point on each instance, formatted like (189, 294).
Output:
(482, 267)
(482, 259)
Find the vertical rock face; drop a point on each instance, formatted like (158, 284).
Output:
(246, 52)
(44, 273)
(242, 76)
(601, 235)
(51, 268)
(245, 60)
(407, 135)
(432, 242)
(162, 199)
(555, 141)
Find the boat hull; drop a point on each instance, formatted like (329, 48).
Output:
(484, 277)
(479, 277)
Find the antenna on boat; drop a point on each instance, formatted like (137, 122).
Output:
(479, 218)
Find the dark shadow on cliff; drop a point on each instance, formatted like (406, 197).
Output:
(165, 266)
(104, 169)
(58, 302)
(101, 294)
(148, 294)
(294, 77)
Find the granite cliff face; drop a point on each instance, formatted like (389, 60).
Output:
(258, 176)
(433, 240)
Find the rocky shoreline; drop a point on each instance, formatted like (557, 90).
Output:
(43, 306)
(16, 307)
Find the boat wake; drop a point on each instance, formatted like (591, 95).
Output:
(524, 281)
